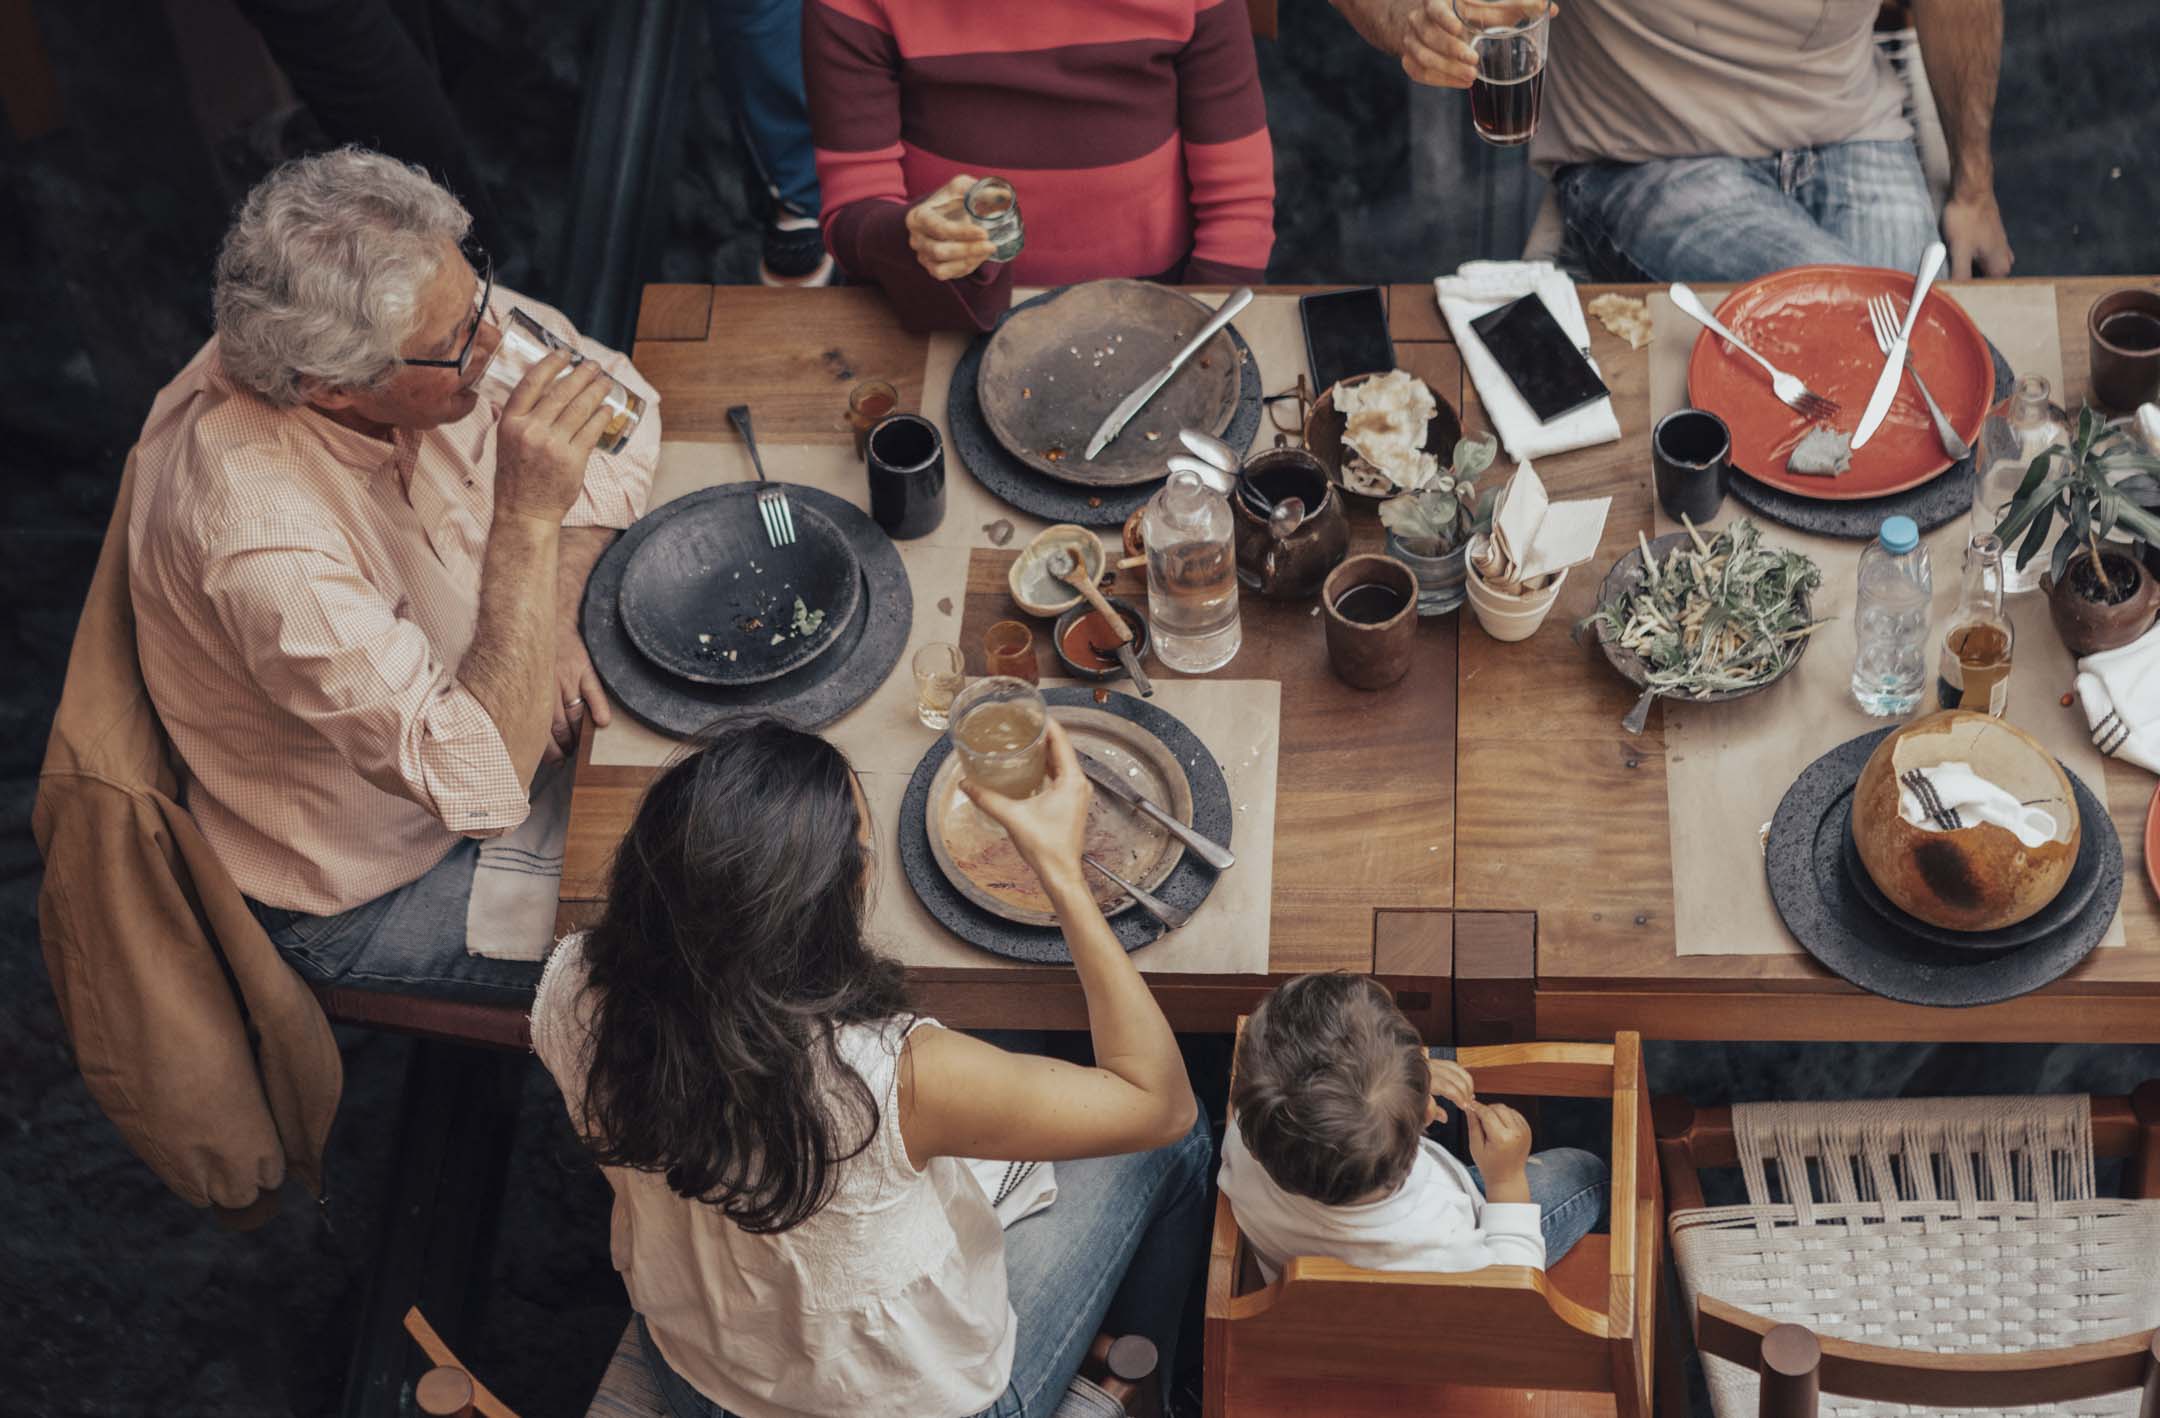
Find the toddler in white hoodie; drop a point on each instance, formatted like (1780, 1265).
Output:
(1326, 1153)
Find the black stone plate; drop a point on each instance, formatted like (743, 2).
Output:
(835, 682)
(2069, 903)
(1186, 887)
(1939, 500)
(1816, 898)
(1046, 497)
(711, 573)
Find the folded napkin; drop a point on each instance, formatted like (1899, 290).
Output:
(1479, 286)
(1017, 1190)
(1960, 790)
(2120, 690)
(511, 914)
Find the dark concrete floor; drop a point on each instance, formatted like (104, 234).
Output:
(120, 1300)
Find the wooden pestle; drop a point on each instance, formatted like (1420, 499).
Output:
(1068, 568)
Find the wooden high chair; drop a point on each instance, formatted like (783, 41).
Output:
(1332, 1339)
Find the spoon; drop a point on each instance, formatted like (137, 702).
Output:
(1210, 449)
(1216, 479)
(1067, 568)
(1286, 517)
(1162, 911)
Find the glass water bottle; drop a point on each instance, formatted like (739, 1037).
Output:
(1191, 575)
(2018, 430)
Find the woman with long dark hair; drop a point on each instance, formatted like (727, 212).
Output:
(793, 1221)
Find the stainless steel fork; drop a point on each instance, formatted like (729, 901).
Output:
(772, 503)
(1786, 386)
(1884, 318)
(1171, 916)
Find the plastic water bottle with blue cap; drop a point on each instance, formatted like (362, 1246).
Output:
(1890, 620)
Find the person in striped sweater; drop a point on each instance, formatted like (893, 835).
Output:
(1134, 132)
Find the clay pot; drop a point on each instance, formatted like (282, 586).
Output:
(1978, 878)
(2086, 626)
(1289, 568)
(1370, 654)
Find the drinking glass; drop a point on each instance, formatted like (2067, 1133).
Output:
(938, 677)
(1009, 649)
(905, 459)
(525, 342)
(1509, 37)
(993, 205)
(866, 404)
(997, 729)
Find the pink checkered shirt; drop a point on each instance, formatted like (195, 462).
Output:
(303, 596)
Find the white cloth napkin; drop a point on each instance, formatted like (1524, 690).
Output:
(1975, 800)
(511, 914)
(1479, 286)
(2120, 690)
(1016, 1189)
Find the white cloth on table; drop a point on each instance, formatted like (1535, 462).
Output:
(2120, 692)
(1961, 790)
(1480, 286)
(518, 879)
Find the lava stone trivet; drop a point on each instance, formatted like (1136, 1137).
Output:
(1186, 887)
(844, 676)
(1825, 913)
(1046, 497)
(1937, 501)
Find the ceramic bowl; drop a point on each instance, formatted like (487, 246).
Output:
(1033, 588)
(1977, 878)
(1067, 621)
(1506, 617)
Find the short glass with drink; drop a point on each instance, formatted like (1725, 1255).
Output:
(998, 731)
(993, 205)
(1510, 38)
(1009, 649)
(525, 342)
(938, 677)
(866, 404)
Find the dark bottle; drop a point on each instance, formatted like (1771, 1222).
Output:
(1975, 664)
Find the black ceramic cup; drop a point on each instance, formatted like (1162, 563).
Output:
(1691, 456)
(906, 459)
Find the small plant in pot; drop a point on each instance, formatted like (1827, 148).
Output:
(1430, 524)
(2100, 595)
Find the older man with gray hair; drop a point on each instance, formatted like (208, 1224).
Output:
(356, 572)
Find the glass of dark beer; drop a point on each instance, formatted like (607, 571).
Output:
(1510, 37)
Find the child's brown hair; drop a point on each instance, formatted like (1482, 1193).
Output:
(1333, 1088)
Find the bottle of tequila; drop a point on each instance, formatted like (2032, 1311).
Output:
(1975, 664)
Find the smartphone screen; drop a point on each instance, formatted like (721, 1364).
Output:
(1537, 356)
(1346, 334)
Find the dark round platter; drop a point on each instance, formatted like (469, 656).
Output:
(836, 681)
(1940, 499)
(1185, 887)
(2070, 902)
(1829, 916)
(1044, 496)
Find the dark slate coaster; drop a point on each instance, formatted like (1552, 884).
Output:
(835, 682)
(1816, 898)
(1046, 497)
(1187, 886)
(1933, 503)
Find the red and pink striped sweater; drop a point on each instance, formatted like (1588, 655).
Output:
(1134, 131)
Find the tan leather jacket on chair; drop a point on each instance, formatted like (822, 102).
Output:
(198, 1040)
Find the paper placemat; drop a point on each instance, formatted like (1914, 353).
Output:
(1728, 765)
(1240, 719)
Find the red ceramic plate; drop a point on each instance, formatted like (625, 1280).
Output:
(1811, 321)
(2152, 841)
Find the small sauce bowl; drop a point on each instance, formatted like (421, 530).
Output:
(1102, 667)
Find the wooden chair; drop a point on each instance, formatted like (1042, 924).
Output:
(1117, 1377)
(1989, 1225)
(1330, 1338)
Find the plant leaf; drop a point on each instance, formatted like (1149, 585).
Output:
(2060, 561)
(1474, 456)
(2037, 538)
(2025, 508)
(2035, 474)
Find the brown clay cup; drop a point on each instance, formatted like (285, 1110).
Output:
(2124, 328)
(1370, 655)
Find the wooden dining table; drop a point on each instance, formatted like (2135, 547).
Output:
(1484, 837)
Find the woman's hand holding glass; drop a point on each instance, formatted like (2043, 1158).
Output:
(1049, 828)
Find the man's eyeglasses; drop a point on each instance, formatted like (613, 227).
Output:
(472, 333)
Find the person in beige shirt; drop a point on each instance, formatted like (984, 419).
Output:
(1718, 140)
(356, 571)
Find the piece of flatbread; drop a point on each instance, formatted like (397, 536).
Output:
(1385, 420)
(1623, 315)
(1824, 453)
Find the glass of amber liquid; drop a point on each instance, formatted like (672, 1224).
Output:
(525, 342)
(866, 404)
(998, 729)
(1009, 649)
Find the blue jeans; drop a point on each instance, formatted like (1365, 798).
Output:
(1570, 1187)
(1733, 219)
(1116, 1251)
(759, 47)
(408, 941)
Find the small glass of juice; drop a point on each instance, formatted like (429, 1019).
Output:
(998, 731)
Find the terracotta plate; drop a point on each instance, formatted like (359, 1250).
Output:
(2152, 841)
(1812, 322)
(1053, 372)
(983, 866)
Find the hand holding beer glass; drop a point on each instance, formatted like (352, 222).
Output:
(1495, 49)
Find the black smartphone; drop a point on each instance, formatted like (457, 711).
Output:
(1346, 333)
(1552, 375)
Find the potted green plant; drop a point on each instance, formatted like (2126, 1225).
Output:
(2100, 485)
(1429, 525)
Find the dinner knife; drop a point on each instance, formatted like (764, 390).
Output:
(1138, 398)
(1102, 776)
(1878, 404)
